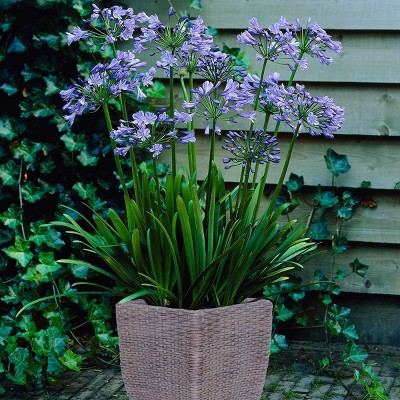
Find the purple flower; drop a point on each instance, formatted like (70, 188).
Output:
(260, 149)
(303, 112)
(77, 34)
(156, 149)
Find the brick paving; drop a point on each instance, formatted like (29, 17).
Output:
(292, 374)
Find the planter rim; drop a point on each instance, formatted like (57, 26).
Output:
(142, 303)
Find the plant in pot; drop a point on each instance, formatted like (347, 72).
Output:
(190, 258)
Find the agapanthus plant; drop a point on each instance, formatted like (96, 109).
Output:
(192, 243)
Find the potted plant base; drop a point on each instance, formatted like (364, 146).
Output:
(210, 354)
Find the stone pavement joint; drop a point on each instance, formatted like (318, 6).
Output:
(292, 374)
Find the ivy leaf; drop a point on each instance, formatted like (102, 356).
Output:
(196, 4)
(87, 159)
(48, 265)
(20, 358)
(5, 331)
(350, 332)
(359, 268)
(51, 85)
(7, 173)
(73, 142)
(11, 217)
(56, 340)
(354, 354)
(283, 313)
(8, 89)
(16, 46)
(45, 234)
(53, 41)
(42, 111)
(319, 230)
(278, 343)
(340, 244)
(47, 166)
(6, 129)
(20, 251)
(336, 163)
(71, 360)
(79, 271)
(26, 150)
(32, 193)
(85, 191)
(326, 199)
(295, 182)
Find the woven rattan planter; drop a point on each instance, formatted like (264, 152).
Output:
(213, 354)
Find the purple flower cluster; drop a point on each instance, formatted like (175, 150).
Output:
(314, 40)
(290, 40)
(108, 25)
(151, 131)
(272, 42)
(211, 104)
(260, 148)
(105, 82)
(314, 115)
(181, 46)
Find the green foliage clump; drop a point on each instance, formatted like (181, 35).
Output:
(38, 173)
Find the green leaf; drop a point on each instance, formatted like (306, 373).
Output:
(156, 90)
(85, 191)
(45, 234)
(359, 268)
(365, 184)
(87, 159)
(27, 150)
(80, 270)
(6, 129)
(278, 343)
(16, 46)
(339, 244)
(8, 89)
(295, 182)
(51, 85)
(354, 354)
(20, 358)
(74, 142)
(283, 313)
(350, 332)
(336, 163)
(53, 41)
(47, 264)
(196, 4)
(212, 31)
(32, 193)
(11, 217)
(5, 331)
(42, 111)
(71, 360)
(326, 199)
(319, 230)
(20, 251)
(8, 173)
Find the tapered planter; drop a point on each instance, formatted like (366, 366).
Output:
(213, 354)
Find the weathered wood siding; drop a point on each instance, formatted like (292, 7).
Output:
(365, 80)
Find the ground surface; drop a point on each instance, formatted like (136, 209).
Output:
(292, 374)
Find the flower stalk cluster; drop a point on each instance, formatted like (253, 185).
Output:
(184, 50)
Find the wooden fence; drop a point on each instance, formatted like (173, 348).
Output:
(365, 80)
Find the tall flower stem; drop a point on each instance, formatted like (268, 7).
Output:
(171, 114)
(157, 187)
(192, 146)
(113, 146)
(210, 164)
(284, 170)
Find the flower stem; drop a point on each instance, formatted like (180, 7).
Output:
(192, 146)
(171, 114)
(283, 172)
(157, 187)
(113, 146)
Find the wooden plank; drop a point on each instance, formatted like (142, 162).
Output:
(371, 160)
(364, 59)
(373, 225)
(339, 14)
(383, 276)
(369, 110)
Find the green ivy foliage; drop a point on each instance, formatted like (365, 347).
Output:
(44, 165)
